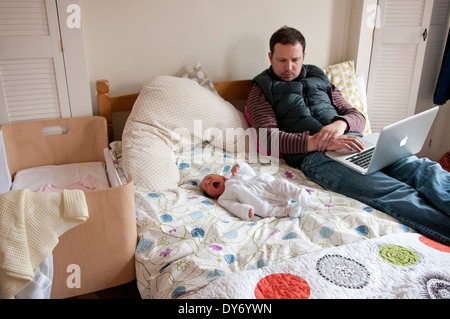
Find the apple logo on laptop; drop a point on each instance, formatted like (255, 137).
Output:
(404, 141)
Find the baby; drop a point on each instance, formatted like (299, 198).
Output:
(247, 193)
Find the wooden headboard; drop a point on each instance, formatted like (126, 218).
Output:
(107, 105)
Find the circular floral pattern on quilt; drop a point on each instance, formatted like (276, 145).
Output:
(342, 271)
(434, 244)
(438, 288)
(436, 285)
(282, 286)
(398, 255)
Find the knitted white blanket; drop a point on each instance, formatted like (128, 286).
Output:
(30, 224)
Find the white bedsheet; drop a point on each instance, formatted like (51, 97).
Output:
(36, 177)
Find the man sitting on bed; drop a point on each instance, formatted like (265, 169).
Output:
(311, 117)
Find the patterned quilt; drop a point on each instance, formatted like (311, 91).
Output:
(188, 242)
(393, 266)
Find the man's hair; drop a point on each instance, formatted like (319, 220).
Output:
(287, 35)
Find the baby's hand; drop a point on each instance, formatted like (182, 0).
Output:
(250, 213)
(234, 169)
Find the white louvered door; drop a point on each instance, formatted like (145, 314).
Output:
(437, 38)
(397, 60)
(32, 76)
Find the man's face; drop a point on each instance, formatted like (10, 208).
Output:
(287, 60)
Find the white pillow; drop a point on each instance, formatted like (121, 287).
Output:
(149, 160)
(171, 115)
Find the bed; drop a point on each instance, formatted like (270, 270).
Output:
(190, 247)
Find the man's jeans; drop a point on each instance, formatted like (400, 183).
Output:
(414, 191)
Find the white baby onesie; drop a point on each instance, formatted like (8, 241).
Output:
(268, 196)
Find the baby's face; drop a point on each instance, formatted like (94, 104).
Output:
(213, 185)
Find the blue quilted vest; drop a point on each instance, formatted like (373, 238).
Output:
(302, 104)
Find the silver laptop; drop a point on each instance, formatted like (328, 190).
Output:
(395, 141)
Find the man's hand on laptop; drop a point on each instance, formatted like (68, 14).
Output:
(343, 142)
(329, 134)
(347, 143)
(332, 138)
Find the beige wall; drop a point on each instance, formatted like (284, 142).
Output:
(128, 42)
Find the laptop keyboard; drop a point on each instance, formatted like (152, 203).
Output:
(362, 159)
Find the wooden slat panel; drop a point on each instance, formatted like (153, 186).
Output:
(403, 13)
(437, 37)
(29, 89)
(392, 84)
(23, 18)
(397, 61)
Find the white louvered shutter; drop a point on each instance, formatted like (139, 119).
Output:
(32, 77)
(397, 60)
(437, 38)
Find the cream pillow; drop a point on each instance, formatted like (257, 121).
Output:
(172, 115)
(148, 159)
(343, 76)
